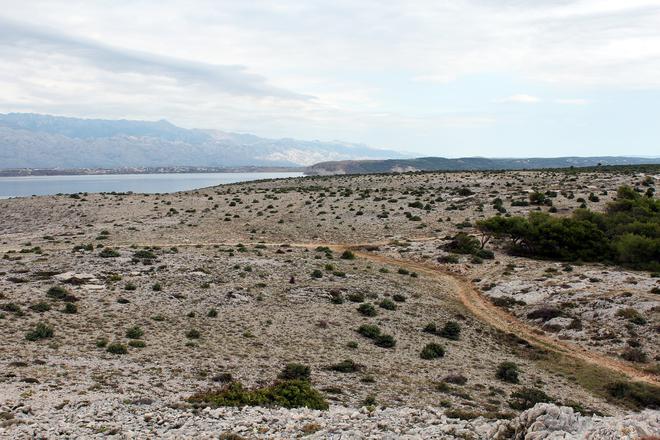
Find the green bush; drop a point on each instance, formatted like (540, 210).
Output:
(144, 254)
(137, 343)
(526, 398)
(635, 394)
(385, 341)
(316, 273)
(451, 330)
(356, 297)
(108, 253)
(430, 328)
(346, 366)
(213, 313)
(295, 371)
(61, 294)
(287, 394)
(367, 309)
(347, 255)
(40, 307)
(369, 331)
(117, 348)
(70, 308)
(432, 351)
(507, 372)
(387, 304)
(193, 334)
(40, 331)
(134, 332)
(399, 298)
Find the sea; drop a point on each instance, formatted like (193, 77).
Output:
(26, 186)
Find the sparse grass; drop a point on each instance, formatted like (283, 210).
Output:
(40, 331)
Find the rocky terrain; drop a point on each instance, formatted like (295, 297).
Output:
(127, 314)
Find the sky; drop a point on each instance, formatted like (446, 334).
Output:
(495, 78)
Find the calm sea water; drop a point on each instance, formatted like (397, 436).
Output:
(138, 183)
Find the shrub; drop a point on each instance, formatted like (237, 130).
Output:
(387, 304)
(40, 307)
(356, 297)
(451, 330)
(70, 308)
(287, 394)
(456, 379)
(631, 315)
(385, 341)
(463, 243)
(430, 328)
(223, 378)
(336, 297)
(193, 334)
(507, 372)
(347, 255)
(345, 366)
(61, 294)
(117, 348)
(544, 313)
(136, 343)
(40, 331)
(134, 332)
(526, 398)
(369, 331)
(295, 371)
(317, 273)
(144, 254)
(213, 313)
(634, 355)
(399, 298)
(635, 394)
(108, 253)
(367, 309)
(432, 351)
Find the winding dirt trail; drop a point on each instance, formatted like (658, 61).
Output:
(485, 311)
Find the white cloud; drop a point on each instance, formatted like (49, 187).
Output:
(521, 99)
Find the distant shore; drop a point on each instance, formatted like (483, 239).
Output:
(19, 172)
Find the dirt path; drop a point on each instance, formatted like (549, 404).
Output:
(498, 318)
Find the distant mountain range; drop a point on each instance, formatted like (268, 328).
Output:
(467, 163)
(41, 141)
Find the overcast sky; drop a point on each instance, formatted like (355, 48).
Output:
(498, 78)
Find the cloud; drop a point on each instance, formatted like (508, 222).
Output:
(232, 79)
(521, 99)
